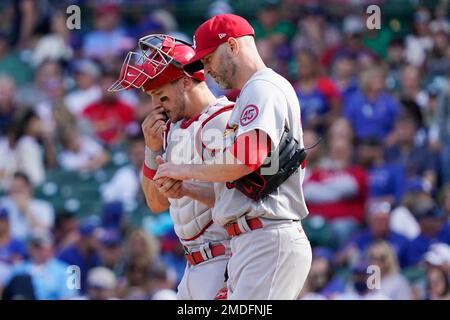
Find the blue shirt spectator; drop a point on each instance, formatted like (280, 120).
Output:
(387, 180)
(417, 159)
(11, 250)
(434, 229)
(398, 242)
(378, 221)
(48, 275)
(107, 40)
(374, 118)
(83, 253)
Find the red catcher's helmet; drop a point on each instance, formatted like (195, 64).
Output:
(161, 61)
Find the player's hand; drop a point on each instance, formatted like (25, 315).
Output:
(169, 188)
(170, 170)
(153, 127)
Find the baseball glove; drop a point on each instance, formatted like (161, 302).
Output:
(288, 156)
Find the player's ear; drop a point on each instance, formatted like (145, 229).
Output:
(187, 82)
(233, 45)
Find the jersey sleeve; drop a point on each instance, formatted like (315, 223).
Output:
(263, 106)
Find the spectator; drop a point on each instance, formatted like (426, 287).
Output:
(337, 190)
(357, 287)
(109, 116)
(108, 40)
(48, 275)
(81, 152)
(87, 75)
(318, 95)
(386, 181)
(48, 79)
(173, 254)
(12, 250)
(161, 282)
(113, 217)
(433, 228)
(377, 39)
(134, 285)
(54, 45)
(270, 25)
(110, 249)
(419, 43)
(11, 63)
(344, 75)
(395, 62)
(438, 63)
(378, 220)
(410, 86)
(353, 27)
(441, 126)
(372, 111)
(124, 186)
(26, 213)
(437, 284)
(439, 256)
(393, 284)
(417, 160)
(341, 129)
(8, 160)
(140, 253)
(66, 229)
(24, 142)
(402, 219)
(142, 244)
(84, 252)
(314, 33)
(322, 282)
(101, 284)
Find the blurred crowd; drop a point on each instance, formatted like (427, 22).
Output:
(377, 186)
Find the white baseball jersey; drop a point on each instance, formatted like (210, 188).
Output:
(192, 219)
(267, 102)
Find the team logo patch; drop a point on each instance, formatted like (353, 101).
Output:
(249, 114)
(230, 129)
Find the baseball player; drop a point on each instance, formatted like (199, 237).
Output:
(271, 255)
(190, 106)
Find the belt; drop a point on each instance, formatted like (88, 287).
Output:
(234, 230)
(197, 257)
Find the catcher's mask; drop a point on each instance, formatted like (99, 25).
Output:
(160, 61)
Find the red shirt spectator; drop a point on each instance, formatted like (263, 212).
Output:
(349, 186)
(109, 120)
(337, 189)
(109, 116)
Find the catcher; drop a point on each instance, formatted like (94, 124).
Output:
(190, 107)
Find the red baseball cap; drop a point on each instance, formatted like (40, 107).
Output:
(212, 33)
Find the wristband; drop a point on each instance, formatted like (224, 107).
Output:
(150, 158)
